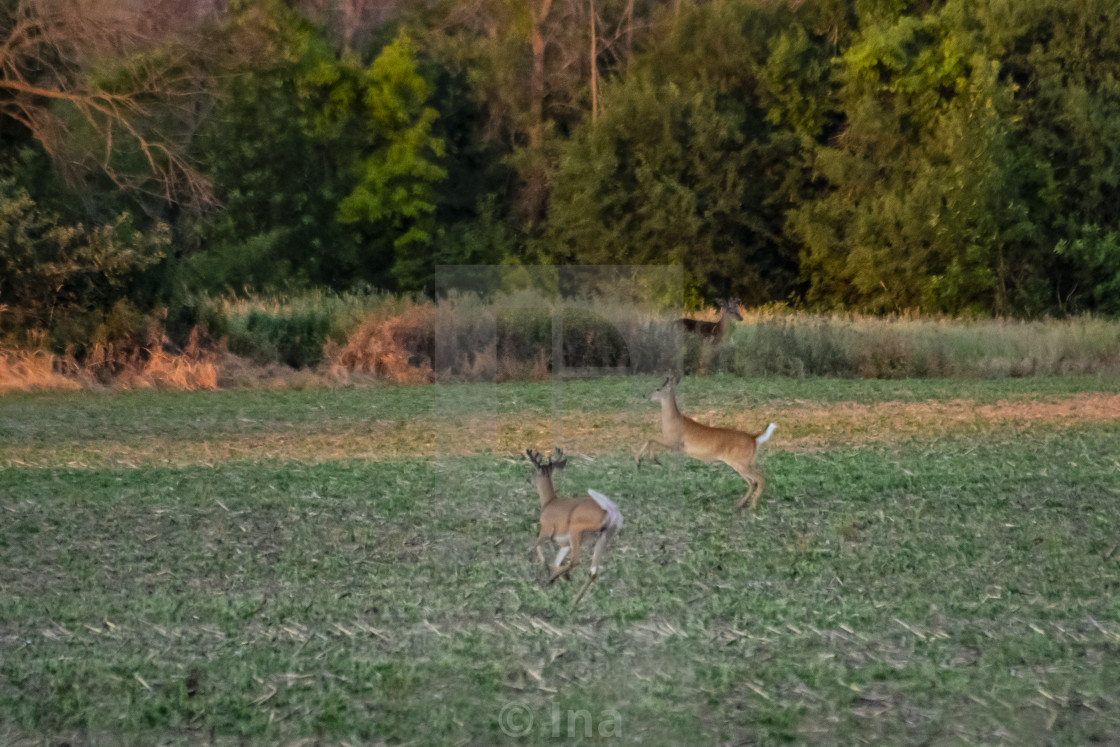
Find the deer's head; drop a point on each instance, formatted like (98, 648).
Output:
(731, 308)
(666, 389)
(542, 471)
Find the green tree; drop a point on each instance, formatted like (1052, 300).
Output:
(400, 164)
(925, 205)
(682, 167)
(1095, 255)
(534, 66)
(1062, 61)
(326, 166)
(278, 183)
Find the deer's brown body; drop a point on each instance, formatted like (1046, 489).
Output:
(712, 330)
(734, 448)
(568, 521)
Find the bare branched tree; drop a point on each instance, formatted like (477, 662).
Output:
(111, 69)
(350, 23)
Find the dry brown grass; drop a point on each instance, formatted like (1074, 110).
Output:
(31, 371)
(391, 347)
(119, 366)
(237, 372)
(147, 366)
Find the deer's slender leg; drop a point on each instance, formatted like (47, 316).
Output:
(646, 447)
(760, 481)
(755, 483)
(573, 542)
(560, 556)
(561, 571)
(540, 552)
(601, 544)
(583, 590)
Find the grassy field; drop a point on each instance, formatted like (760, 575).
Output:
(931, 562)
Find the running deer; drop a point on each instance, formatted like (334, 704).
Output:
(712, 330)
(566, 521)
(734, 448)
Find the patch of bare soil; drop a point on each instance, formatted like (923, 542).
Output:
(802, 426)
(887, 421)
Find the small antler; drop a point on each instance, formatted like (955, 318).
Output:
(534, 457)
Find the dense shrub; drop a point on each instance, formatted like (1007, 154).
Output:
(292, 330)
(68, 283)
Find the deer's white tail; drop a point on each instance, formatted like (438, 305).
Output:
(614, 516)
(765, 436)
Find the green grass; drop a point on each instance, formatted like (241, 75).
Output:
(954, 586)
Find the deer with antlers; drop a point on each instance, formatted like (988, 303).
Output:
(567, 521)
(734, 448)
(729, 307)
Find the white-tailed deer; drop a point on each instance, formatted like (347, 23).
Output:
(566, 521)
(734, 448)
(712, 330)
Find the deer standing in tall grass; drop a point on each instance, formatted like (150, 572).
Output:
(566, 521)
(734, 448)
(729, 307)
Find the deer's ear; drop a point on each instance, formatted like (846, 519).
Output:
(561, 464)
(676, 379)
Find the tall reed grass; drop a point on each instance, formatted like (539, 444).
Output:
(347, 338)
(518, 337)
(513, 339)
(853, 346)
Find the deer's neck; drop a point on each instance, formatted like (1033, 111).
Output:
(722, 320)
(546, 492)
(670, 415)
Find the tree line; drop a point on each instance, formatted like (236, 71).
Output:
(952, 156)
